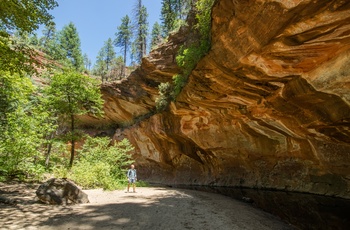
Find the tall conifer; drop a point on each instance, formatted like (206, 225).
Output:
(141, 30)
(123, 37)
(70, 44)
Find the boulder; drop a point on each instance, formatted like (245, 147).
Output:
(61, 191)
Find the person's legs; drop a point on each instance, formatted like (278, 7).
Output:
(128, 186)
(134, 186)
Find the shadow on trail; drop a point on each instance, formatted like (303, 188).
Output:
(161, 208)
(157, 214)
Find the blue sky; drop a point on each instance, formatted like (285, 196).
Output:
(97, 20)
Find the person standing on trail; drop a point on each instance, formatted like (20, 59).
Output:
(132, 177)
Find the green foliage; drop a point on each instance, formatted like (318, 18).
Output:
(141, 31)
(25, 15)
(15, 57)
(188, 56)
(156, 36)
(179, 82)
(69, 42)
(49, 43)
(22, 126)
(163, 100)
(87, 62)
(22, 16)
(173, 13)
(105, 59)
(101, 164)
(123, 36)
(168, 15)
(71, 94)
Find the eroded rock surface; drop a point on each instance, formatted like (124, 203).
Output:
(269, 106)
(61, 191)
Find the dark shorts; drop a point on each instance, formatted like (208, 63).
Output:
(132, 180)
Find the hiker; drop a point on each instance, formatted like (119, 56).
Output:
(132, 177)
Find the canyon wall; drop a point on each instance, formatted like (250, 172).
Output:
(267, 107)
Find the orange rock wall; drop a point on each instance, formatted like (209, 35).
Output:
(269, 106)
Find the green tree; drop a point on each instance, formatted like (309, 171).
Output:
(70, 44)
(105, 59)
(87, 62)
(123, 37)
(110, 54)
(22, 126)
(22, 16)
(49, 43)
(168, 15)
(173, 14)
(48, 34)
(118, 68)
(99, 68)
(156, 34)
(141, 30)
(25, 15)
(72, 94)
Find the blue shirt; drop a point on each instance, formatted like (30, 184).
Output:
(131, 174)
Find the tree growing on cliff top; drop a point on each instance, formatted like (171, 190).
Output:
(70, 44)
(72, 94)
(141, 31)
(156, 35)
(105, 59)
(123, 37)
(173, 13)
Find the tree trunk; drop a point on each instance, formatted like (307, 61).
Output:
(124, 67)
(72, 142)
(48, 153)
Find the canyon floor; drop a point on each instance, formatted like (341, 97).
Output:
(149, 208)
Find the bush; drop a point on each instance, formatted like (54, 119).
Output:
(179, 82)
(163, 100)
(101, 164)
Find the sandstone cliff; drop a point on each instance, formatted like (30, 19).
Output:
(269, 106)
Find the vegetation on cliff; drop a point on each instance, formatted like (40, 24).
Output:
(188, 55)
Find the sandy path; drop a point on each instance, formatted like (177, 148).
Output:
(150, 208)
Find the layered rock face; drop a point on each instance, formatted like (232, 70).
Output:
(268, 107)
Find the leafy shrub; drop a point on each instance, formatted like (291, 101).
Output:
(179, 83)
(21, 127)
(101, 164)
(163, 100)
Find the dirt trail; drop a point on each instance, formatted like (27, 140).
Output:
(150, 208)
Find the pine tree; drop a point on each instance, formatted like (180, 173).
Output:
(123, 37)
(49, 34)
(70, 44)
(141, 32)
(173, 13)
(156, 35)
(109, 52)
(105, 59)
(49, 42)
(168, 16)
(87, 62)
